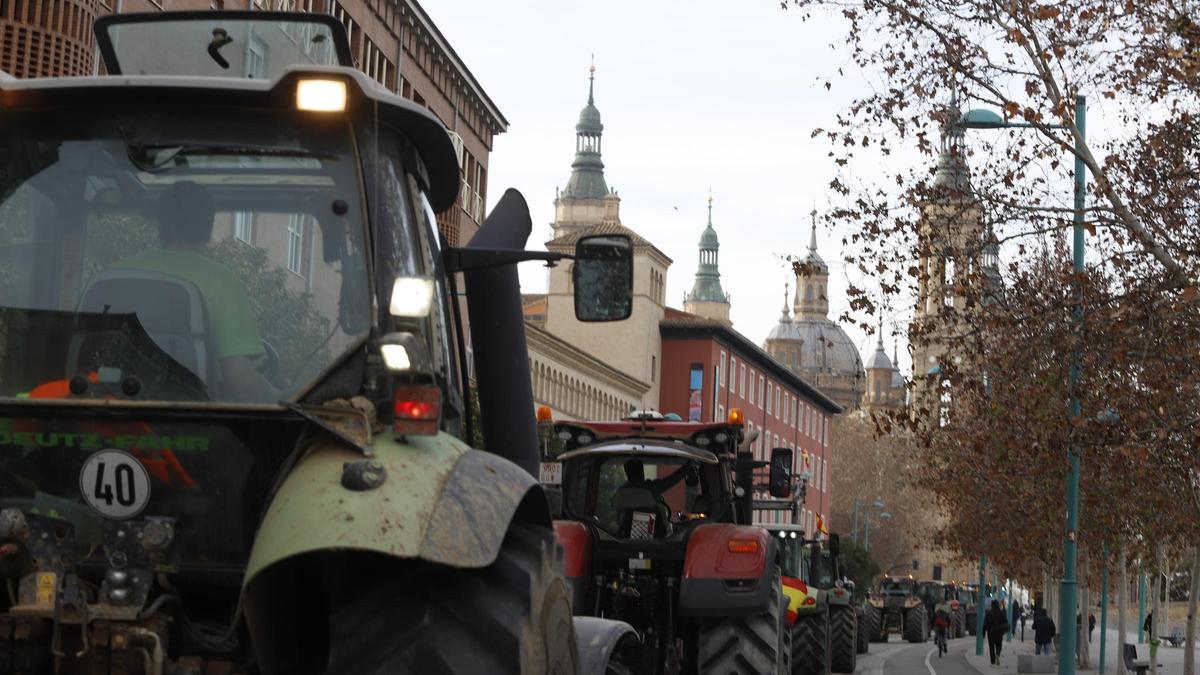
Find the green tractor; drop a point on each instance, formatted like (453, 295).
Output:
(825, 620)
(233, 388)
(896, 608)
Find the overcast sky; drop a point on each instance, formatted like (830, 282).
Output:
(693, 94)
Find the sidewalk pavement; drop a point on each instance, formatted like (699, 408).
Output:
(1170, 659)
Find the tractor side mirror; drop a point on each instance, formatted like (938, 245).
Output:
(603, 278)
(781, 473)
(835, 545)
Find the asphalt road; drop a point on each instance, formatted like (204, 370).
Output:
(901, 658)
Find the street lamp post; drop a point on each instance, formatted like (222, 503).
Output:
(883, 515)
(985, 119)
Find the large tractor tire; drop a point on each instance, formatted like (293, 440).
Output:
(875, 624)
(843, 638)
(513, 616)
(811, 644)
(969, 619)
(746, 645)
(864, 631)
(916, 625)
(957, 627)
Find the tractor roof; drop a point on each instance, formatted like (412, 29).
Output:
(641, 449)
(224, 93)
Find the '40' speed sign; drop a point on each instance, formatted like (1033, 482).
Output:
(115, 484)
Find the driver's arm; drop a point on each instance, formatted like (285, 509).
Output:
(660, 485)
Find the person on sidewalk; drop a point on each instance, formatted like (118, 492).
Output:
(1043, 633)
(1022, 625)
(1017, 616)
(1091, 625)
(995, 625)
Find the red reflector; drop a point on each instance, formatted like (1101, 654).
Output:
(416, 410)
(810, 601)
(743, 546)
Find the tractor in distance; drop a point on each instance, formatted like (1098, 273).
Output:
(969, 600)
(941, 596)
(821, 609)
(896, 608)
(233, 397)
(656, 525)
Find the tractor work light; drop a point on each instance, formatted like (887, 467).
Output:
(395, 357)
(321, 95)
(544, 414)
(743, 546)
(412, 297)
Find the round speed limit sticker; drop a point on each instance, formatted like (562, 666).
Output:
(115, 484)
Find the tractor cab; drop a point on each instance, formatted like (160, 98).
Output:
(656, 535)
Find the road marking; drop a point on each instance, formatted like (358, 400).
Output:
(928, 664)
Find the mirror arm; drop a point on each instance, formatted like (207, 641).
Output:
(464, 259)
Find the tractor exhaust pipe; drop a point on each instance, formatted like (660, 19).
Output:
(498, 338)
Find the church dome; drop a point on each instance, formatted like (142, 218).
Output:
(708, 239)
(824, 347)
(589, 120)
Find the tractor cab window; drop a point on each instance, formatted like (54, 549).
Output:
(792, 553)
(894, 587)
(178, 255)
(643, 496)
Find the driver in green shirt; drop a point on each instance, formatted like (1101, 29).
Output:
(185, 225)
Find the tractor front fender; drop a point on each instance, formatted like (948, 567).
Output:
(440, 501)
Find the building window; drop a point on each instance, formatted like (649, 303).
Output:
(937, 572)
(243, 226)
(732, 372)
(742, 381)
(762, 392)
(778, 396)
(256, 59)
(695, 392)
(295, 243)
(653, 368)
(751, 399)
(721, 370)
(720, 413)
(768, 401)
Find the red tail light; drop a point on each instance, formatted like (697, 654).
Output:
(416, 411)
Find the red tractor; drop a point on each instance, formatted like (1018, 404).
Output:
(656, 522)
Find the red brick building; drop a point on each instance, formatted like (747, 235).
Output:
(393, 41)
(708, 369)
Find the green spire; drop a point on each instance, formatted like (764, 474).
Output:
(707, 287)
(587, 171)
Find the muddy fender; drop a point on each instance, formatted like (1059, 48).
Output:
(598, 642)
(727, 571)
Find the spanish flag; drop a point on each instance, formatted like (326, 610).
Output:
(821, 525)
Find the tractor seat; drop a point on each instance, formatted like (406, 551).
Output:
(170, 309)
(642, 514)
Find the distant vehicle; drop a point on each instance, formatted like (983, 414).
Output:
(896, 608)
(656, 522)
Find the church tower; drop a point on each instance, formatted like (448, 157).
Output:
(954, 257)
(707, 299)
(587, 206)
(586, 200)
(812, 282)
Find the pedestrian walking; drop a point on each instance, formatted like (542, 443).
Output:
(1091, 625)
(1017, 616)
(1022, 625)
(1043, 632)
(1149, 624)
(995, 625)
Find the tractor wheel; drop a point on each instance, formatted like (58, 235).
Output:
(875, 624)
(513, 616)
(746, 645)
(957, 629)
(843, 630)
(970, 621)
(785, 638)
(811, 645)
(864, 631)
(916, 625)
